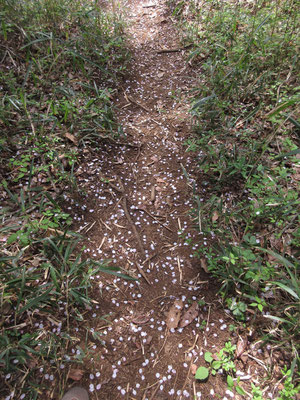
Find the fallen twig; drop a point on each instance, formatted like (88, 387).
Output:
(155, 218)
(149, 258)
(130, 99)
(124, 203)
(176, 50)
(164, 51)
(187, 377)
(138, 238)
(90, 227)
(142, 273)
(138, 153)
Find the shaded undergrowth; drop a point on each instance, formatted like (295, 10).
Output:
(60, 62)
(245, 112)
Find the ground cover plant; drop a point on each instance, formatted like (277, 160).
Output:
(245, 110)
(60, 61)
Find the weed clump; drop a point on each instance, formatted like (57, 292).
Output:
(246, 140)
(60, 63)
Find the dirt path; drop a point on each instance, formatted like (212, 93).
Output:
(137, 215)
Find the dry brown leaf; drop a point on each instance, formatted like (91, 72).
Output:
(140, 319)
(244, 358)
(6, 308)
(174, 314)
(157, 203)
(204, 265)
(241, 347)
(189, 315)
(32, 363)
(71, 137)
(169, 201)
(215, 216)
(168, 348)
(36, 261)
(119, 161)
(149, 339)
(76, 374)
(194, 368)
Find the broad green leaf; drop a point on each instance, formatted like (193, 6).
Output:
(12, 238)
(230, 381)
(202, 373)
(216, 364)
(208, 357)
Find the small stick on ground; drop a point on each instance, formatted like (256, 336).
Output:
(176, 50)
(142, 273)
(179, 224)
(158, 123)
(208, 316)
(167, 336)
(82, 227)
(127, 391)
(193, 346)
(130, 99)
(258, 361)
(149, 387)
(194, 390)
(138, 153)
(154, 216)
(138, 238)
(149, 258)
(106, 226)
(164, 51)
(89, 228)
(133, 360)
(155, 391)
(155, 219)
(180, 270)
(124, 203)
(187, 377)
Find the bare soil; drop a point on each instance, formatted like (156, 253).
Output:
(136, 213)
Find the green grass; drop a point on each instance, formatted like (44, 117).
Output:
(61, 62)
(245, 109)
